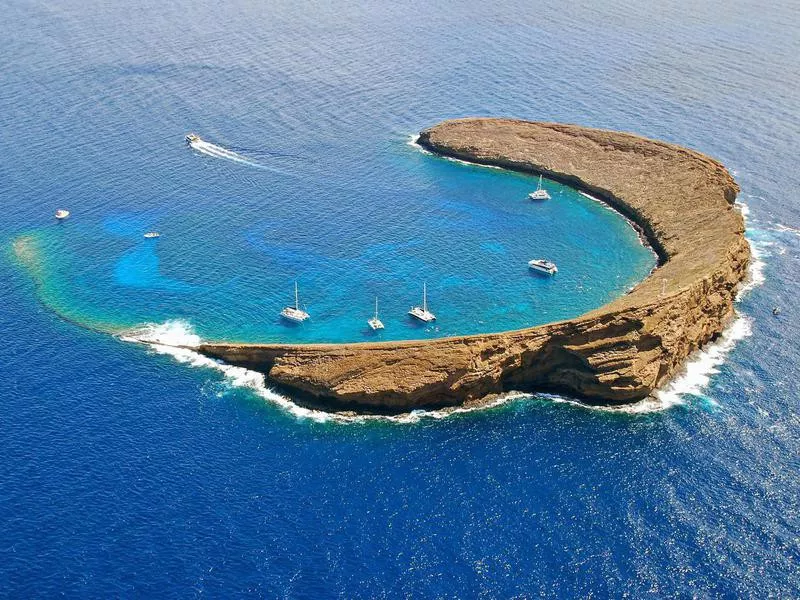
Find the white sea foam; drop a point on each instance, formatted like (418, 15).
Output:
(647, 405)
(787, 229)
(703, 365)
(413, 141)
(177, 339)
(596, 199)
(692, 380)
(171, 334)
(758, 250)
(743, 208)
(755, 276)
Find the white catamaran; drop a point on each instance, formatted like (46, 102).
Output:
(294, 313)
(421, 312)
(375, 323)
(540, 193)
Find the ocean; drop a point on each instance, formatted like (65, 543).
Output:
(132, 469)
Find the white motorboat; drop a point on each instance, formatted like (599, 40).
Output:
(295, 313)
(152, 234)
(540, 193)
(543, 266)
(193, 138)
(375, 323)
(62, 214)
(421, 312)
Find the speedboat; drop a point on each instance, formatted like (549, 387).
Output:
(540, 193)
(543, 266)
(62, 214)
(294, 313)
(192, 138)
(152, 234)
(375, 323)
(421, 312)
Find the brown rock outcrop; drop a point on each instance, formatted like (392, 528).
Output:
(619, 353)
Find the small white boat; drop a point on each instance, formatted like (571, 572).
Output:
(294, 313)
(62, 214)
(421, 312)
(543, 266)
(375, 323)
(540, 193)
(192, 138)
(152, 234)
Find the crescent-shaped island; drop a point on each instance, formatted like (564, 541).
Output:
(683, 203)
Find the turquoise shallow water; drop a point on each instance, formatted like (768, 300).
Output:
(126, 473)
(235, 237)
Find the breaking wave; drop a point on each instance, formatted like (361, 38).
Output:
(177, 339)
(756, 271)
(704, 364)
(413, 141)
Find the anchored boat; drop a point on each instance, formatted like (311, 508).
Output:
(543, 266)
(294, 313)
(540, 193)
(375, 323)
(62, 214)
(421, 312)
(152, 234)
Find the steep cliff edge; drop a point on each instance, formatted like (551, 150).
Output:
(619, 353)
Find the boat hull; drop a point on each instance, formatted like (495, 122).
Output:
(294, 315)
(422, 315)
(546, 270)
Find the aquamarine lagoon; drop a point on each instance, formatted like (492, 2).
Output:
(236, 236)
(129, 470)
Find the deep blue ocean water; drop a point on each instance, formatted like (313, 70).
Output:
(125, 472)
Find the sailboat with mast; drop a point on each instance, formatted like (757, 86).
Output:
(295, 313)
(540, 193)
(375, 323)
(421, 312)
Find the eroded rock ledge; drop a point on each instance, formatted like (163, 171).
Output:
(619, 353)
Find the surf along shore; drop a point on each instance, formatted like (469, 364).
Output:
(682, 200)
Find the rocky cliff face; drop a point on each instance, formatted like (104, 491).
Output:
(619, 353)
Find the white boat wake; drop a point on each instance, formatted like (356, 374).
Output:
(215, 151)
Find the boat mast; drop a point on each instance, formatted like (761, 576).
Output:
(425, 297)
(376, 307)
(296, 302)
(540, 183)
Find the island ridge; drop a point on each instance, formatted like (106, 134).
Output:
(683, 203)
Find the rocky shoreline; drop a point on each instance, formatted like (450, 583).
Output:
(616, 354)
